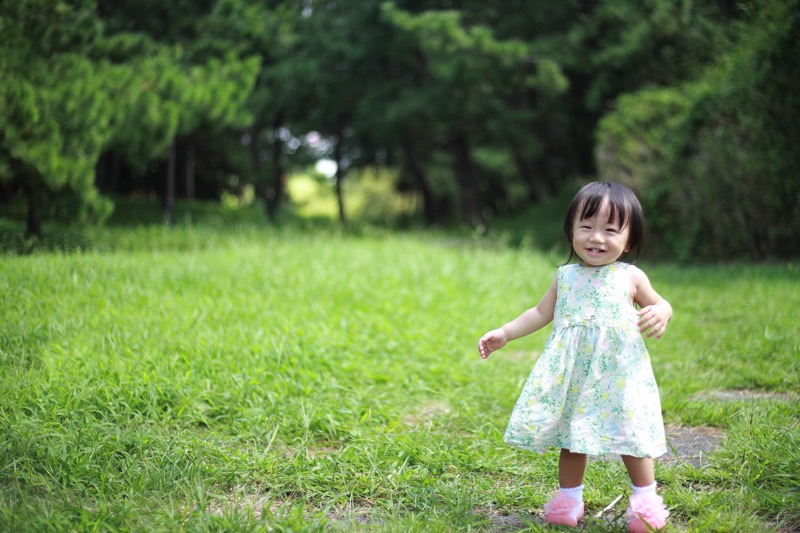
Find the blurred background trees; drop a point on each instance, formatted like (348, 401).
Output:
(478, 108)
(717, 158)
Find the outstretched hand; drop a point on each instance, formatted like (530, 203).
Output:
(491, 342)
(653, 319)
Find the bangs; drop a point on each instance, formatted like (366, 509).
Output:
(617, 210)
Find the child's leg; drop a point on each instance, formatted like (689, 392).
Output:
(640, 470)
(566, 507)
(571, 467)
(646, 511)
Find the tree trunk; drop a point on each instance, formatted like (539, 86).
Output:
(34, 194)
(340, 174)
(190, 170)
(101, 172)
(275, 191)
(170, 201)
(116, 170)
(536, 190)
(421, 180)
(462, 168)
(261, 185)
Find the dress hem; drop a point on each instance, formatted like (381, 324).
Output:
(543, 448)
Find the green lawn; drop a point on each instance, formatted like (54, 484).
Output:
(218, 379)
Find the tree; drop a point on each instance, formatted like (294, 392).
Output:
(70, 92)
(341, 47)
(471, 90)
(187, 81)
(482, 110)
(54, 104)
(268, 30)
(717, 160)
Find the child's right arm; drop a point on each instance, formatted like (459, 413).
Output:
(528, 322)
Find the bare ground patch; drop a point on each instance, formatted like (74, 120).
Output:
(743, 395)
(427, 412)
(503, 521)
(351, 516)
(692, 445)
(685, 444)
(257, 503)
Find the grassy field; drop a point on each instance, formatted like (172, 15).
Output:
(239, 378)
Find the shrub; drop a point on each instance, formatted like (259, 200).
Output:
(716, 162)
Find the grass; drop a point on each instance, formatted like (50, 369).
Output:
(232, 377)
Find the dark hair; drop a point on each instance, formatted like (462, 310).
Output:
(623, 207)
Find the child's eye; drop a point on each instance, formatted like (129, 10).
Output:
(612, 230)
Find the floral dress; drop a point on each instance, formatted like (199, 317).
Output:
(592, 390)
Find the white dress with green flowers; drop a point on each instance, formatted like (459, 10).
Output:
(592, 390)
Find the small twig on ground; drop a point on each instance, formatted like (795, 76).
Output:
(609, 506)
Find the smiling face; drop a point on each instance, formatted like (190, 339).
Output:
(599, 240)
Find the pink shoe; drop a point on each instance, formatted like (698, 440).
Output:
(563, 510)
(646, 513)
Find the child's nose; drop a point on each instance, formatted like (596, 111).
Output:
(597, 236)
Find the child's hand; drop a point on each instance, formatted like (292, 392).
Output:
(492, 341)
(655, 319)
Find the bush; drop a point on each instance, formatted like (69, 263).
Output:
(716, 162)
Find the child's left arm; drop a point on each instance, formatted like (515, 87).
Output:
(655, 312)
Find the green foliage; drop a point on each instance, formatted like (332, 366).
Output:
(624, 45)
(717, 161)
(482, 107)
(528, 80)
(54, 131)
(160, 98)
(69, 93)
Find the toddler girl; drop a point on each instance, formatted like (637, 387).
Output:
(592, 390)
